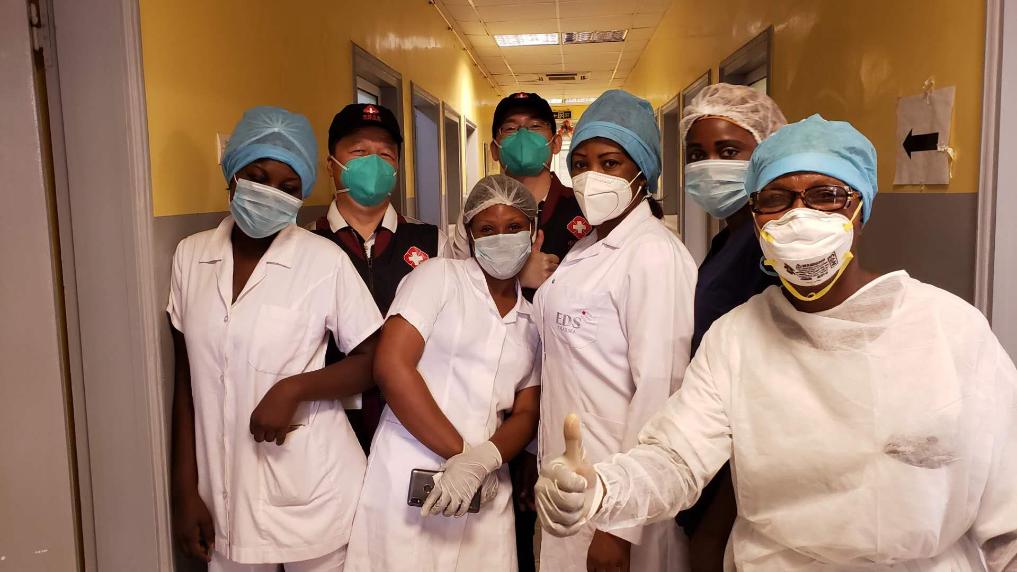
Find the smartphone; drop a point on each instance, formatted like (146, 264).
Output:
(421, 484)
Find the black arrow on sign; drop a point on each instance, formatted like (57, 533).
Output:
(924, 142)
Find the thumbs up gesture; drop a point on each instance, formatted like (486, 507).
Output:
(568, 486)
(539, 266)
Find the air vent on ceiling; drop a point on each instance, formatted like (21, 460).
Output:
(569, 76)
(598, 37)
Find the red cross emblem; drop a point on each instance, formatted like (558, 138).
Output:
(579, 227)
(415, 257)
(521, 95)
(372, 113)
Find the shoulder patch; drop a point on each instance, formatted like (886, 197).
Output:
(415, 257)
(579, 227)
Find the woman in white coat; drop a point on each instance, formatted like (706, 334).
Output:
(616, 324)
(870, 420)
(460, 374)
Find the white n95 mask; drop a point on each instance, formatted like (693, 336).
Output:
(602, 197)
(717, 185)
(808, 247)
(502, 255)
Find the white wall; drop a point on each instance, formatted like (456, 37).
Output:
(1004, 288)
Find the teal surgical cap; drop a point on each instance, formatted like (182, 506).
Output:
(628, 121)
(273, 133)
(815, 145)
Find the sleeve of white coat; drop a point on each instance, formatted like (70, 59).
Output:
(175, 306)
(995, 527)
(679, 451)
(421, 296)
(355, 316)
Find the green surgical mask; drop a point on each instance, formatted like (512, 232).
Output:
(524, 153)
(369, 180)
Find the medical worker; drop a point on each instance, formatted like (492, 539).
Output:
(364, 144)
(265, 467)
(871, 420)
(721, 127)
(461, 377)
(616, 324)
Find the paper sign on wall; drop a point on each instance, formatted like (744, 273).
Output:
(923, 138)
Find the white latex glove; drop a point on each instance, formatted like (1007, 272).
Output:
(568, 491)
(459, 479)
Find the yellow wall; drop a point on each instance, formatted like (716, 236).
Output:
(845, 60)
(207, 61)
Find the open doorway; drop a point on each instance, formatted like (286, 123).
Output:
(473, 147)
(452, 143)
(669, 190)
(750, 64)
(377, 83)
(696, 228)
(426, 157)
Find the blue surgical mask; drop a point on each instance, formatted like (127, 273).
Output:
(502, 256)
(717, 185)
(260, 210)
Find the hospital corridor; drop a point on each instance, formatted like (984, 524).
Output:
(508, 286)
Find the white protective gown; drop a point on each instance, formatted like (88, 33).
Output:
(878, 435)
(474, 363)
(616, 327)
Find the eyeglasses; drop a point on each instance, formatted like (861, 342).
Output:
(535, 125)
(822, 198)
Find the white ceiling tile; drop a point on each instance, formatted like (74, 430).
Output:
(590, 24)
(646, 20)
(462, 14)
(482, 41)
(601, 50)
(543, 26)
(640, 35)
(471, 28)
(593, 8)
(515, 12)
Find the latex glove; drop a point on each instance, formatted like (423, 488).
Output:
(568, 491)
(539, 266)
(459, 479)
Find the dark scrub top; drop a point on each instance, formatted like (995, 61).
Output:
(728, 277)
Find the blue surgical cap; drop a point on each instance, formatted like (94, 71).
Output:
(815, 145)
(273, 133)
(628, 121)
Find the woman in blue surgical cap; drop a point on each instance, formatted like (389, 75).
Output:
(870, 420)
(265, 467)
(616, 324)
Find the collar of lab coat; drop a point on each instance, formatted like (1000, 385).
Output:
(280, 252)
(479, 281)
(590, 246)
(336, 221)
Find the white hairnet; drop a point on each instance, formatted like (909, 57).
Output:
(747, 108)
(499, 190)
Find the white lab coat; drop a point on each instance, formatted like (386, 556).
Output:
(878, 435)
(270, 503)
(474, 363)
(616, 327)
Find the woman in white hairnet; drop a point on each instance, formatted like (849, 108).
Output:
(616, 323)
(461, 379)
(870, 420)
(722, 126)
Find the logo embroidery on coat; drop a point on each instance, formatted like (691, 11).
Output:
(579, 227)
(415, 257)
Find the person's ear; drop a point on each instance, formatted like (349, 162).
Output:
(556, 144)
(495, 152)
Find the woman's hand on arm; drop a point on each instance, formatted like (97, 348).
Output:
(192, 522)
(272, 419)
(407, 393)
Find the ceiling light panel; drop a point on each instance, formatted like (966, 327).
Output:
(596, 37)
(515, 40)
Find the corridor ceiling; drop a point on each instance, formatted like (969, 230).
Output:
(599, 66)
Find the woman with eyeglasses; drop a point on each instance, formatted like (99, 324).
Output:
(870, 420)
(461, 378)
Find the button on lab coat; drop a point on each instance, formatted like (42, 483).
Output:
(270, 503)
(616, 327)
(877, 435)
(474, 363)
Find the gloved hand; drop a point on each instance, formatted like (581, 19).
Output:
(460, 478)
(568, 491)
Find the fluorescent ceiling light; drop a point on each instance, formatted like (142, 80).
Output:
(580, 99)
(513, 40)
(598, 37)
(554, 100)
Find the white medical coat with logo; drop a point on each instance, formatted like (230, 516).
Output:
(877, 435)
(474, 363)
(616, 327)
(270, 503)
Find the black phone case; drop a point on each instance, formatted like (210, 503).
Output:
(421, 484)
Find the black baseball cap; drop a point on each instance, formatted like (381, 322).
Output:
(358, 115)
(523, 102)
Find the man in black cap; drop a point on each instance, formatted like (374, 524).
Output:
(525, 138)
(364, 143)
